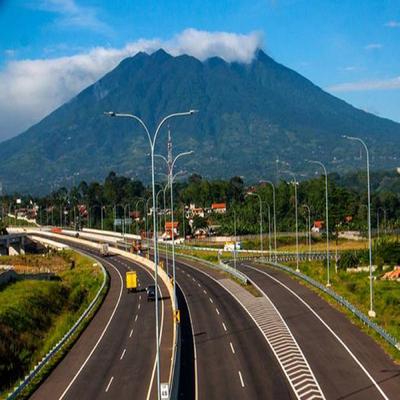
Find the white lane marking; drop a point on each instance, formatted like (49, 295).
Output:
(224, 326)
(211, 300)
(130, 335)
(136, 317)
(261, 327)
(205, 291)
(198, 285)
(138, 306)
(233, 350)
(159, 343)
(109, 384)
(329, 329)
(101, 336)
(122, 355)
(140, 297)
(217, 311)
(241, 379)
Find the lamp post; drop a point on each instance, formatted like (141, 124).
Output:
(170, 169)
(328, 283)
(152, 142)
(377, 220)
(234, 232)
(261, 228)
(297, 222)
(269, 229)
(309, 230)
(274, 209)
(371, 311)
(141, 199)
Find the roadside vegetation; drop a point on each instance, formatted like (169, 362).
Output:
(35, 314)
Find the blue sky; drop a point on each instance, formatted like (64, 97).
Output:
(51, 49)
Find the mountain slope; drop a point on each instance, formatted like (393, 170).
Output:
(250, 115)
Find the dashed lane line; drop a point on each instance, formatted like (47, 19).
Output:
(232, 348)
(109, 384)
(241, 379)
(122, 355)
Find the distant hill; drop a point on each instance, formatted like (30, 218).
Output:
(250, 115)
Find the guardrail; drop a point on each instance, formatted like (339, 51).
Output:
(341, 300)
(221, 266)
(35, 371)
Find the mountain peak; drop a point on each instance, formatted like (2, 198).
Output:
(160, 55)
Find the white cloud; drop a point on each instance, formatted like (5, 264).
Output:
(33, 88)
(384, 84)
(393, 24)
(373, 46)
(70, 14)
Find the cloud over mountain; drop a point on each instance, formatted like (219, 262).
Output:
(33, 88)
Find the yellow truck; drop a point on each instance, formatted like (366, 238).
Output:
(131, 281)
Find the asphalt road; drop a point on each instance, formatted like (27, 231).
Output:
(233, 360)
(362, 372)
(114, 358)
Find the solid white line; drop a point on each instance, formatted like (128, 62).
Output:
(217, 311)
(109, 384)
(130, 335)
(224, 326)
(122, 355)
(329, 329)
(101, 336)
(233, 350)
(136, 317)
(159, 342)
(241, 379)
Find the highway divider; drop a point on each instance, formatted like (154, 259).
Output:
(61, 343)
(341, 300)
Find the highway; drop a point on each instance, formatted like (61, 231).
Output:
(114, 358)
(233, 359)
(347, 363)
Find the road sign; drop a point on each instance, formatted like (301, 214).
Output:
(164, 391)
(117, 221)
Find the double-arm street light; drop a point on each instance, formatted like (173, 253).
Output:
(152, 142)
(261, 218)
(296, 216)
(171, 177)
(328, 283)
(371, 311)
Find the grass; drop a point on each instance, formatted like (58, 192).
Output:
(355, 288)
(35, 315)
(17, 222)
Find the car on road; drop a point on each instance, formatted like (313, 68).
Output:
(151, 292)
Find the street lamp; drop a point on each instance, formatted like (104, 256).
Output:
(377, 219)
(274, 209)
(328, 283)
(234, 231)
(261, 228)
(309, 230)
(371, 311)
(152, 142)
(297, 222)
(170, 169)
(269, 229)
